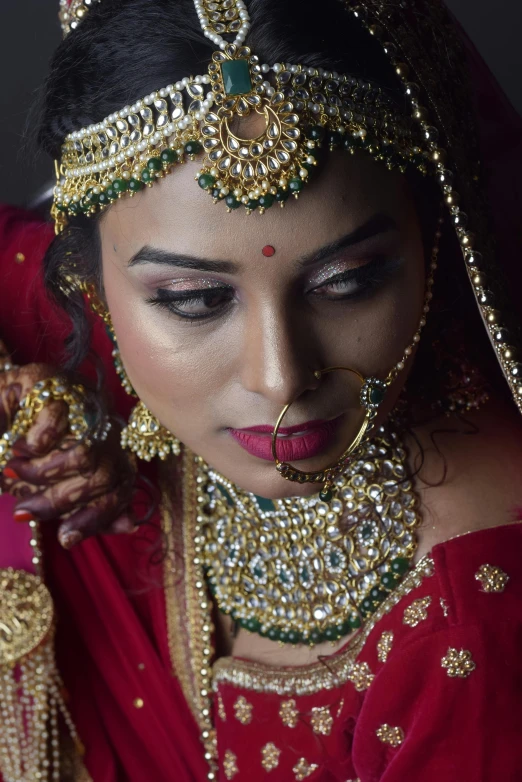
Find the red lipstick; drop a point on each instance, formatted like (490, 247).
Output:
(302, 441)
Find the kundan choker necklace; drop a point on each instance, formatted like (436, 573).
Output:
(301, 570)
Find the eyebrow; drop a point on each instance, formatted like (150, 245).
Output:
(378, 224)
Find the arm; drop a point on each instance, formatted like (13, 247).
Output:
(448, 722)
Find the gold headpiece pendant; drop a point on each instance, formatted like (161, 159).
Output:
(303, 108)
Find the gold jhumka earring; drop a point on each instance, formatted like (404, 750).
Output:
(144, 435)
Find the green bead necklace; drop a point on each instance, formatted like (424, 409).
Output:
(303, 570)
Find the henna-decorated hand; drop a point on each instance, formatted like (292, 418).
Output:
(53, 475)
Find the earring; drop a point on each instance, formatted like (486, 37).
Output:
(143, 435)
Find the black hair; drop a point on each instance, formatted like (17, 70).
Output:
(125, 49)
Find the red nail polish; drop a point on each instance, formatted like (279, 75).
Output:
(23, 516)
(8, 472)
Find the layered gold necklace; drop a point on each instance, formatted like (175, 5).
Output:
(301, 570)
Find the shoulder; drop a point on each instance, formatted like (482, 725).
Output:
(444, 655)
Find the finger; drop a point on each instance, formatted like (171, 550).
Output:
(47, 431)
(66, 496)
(104, 515)
(58, 465)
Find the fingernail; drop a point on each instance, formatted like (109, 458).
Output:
(8, 472)
(69, 539)
(23, 516)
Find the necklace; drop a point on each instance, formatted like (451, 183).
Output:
(300, 570)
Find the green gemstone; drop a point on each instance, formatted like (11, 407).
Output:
(258, 572)
(154, 164)
(366, 531)
(274, 634)
(330, 633)
(252, 625)
(120, 185)
(335, 139)
(168, 156)
(147, 176)
(389, 580)
(400, 565)
(266, 200)
(265, 504)
(349, 143)
(367, 606)
(111, 193)
(296, 184)
(326, 495)
(315, 637)
(193, 147)
(103, 198)
(315, 132)
(314, 152)
(205, 181)
(335, 559)
(309, 167)
(377, 595)
(376, 395)
(252, 204)
(74, 208)
(294, 637)
(232, 202)
(236, 77)
(355, 621)
(91, 197)
(282, 195)
(135, 185)
(283, 636)
(216, 194)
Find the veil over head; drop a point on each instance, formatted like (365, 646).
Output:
(471, 120)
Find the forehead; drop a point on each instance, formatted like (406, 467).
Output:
(176, 215)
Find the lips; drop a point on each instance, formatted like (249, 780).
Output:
(302, 441)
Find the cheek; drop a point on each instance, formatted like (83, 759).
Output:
(178, 371)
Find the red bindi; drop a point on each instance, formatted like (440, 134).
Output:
(268, 250)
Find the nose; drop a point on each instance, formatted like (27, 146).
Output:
(278, 356)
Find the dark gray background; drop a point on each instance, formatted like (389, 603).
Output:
(29, 32)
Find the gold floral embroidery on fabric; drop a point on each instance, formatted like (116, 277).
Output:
(221, 708)
(303, 769)
(417, 612)
(492, 578)
(444, 606)
(321, 720)
(270, 756)
(458, 662)
(384, 646)
(230, 764)
(309, 679)
(361, 676)
(243, 710)
(392, 735)
(288, 713)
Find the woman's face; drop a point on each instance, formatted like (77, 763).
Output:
(216, 337)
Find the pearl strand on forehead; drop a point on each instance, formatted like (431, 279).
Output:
(207, 25)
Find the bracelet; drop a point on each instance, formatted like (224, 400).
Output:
(44, 392)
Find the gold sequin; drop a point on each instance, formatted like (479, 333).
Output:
(384, 646)
(288, 713)
(138, 703)
(391, 735)
(221, 708)
(270, 756)
(458, 662)
(243, 710)
(492, 578)
(444, 606)
(321, 720)
(230, 764)
(361, 676)
(417, 612)
(19, 257)
(303, 769)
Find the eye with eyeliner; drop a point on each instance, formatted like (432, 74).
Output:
(205, 299)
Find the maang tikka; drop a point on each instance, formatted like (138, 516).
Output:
(144, 435)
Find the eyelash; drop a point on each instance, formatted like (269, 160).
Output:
(367, 277)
